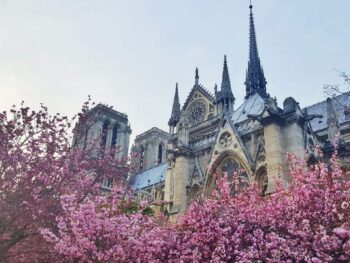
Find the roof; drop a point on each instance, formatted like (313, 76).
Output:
(201, 89)
(339, 102)
(152, 130)
(149, 177)
(254, 105)
(109, 110)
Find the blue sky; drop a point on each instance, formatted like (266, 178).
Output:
(130, 53)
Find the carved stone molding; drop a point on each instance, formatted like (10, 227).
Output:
(225, 139)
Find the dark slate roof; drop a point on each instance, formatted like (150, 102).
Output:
(149, 177)
(254, 105)
(339, 102)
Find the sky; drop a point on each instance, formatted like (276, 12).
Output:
(130, 53)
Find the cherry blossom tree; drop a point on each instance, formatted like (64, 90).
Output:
(305, 221)
(52, 209)
(37, 166)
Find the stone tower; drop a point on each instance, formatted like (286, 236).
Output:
(104, 131)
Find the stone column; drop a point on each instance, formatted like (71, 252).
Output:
(275, 154)
(294, 139)
(181, 169)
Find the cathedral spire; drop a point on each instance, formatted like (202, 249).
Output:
(255, 80)
(175, 113)
(196, 77)
(224, 98)
(226, 84)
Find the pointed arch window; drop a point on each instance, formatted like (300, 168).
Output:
(230, 167)
(104, 136)
(142, 156)
(115, 135)
(86, 134)
(114, 139)
(160, 154)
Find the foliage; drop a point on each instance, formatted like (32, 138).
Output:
(305, 221)
(38, 167)
(52, 210)
(333, 91)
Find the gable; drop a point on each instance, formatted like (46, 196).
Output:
(198, 92)
(198, 107)
(228, 142)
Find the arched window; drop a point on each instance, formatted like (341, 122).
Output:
(114, 135)
(86, 134)
(104, 136)
(142, 156)
(160, 154)
(114, 139)
(230, 167)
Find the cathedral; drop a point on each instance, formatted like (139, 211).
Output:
(211, 135)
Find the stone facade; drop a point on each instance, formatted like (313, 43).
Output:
(149, 150)
(148, 166)
(104, 131)
(209, 136)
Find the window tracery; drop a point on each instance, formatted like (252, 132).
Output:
(196, 112)
(233, 169)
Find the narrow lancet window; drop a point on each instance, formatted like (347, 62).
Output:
(114, 136)
(142, 155)
(104, 136)
(160, 154)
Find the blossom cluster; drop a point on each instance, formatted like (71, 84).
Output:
(38, 166)
(305, 221)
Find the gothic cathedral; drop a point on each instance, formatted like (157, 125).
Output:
(211, 135)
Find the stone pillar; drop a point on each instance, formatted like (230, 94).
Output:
(169, 186)
(176, 182)
(294, 139)
(275, 154)
(181, 168)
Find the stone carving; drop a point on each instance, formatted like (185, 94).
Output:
(225, 139)
(261, 158)
(196, 112)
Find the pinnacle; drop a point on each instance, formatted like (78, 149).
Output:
(175, 113)
(255, 78)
